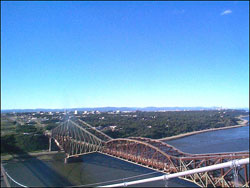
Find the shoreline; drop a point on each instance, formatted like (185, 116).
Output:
(240, 124)
(8, 157)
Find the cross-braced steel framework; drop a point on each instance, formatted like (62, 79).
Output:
(78, 137)
(164, 157)
(76, 140)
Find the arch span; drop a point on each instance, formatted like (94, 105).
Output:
(78, 138)
(164, 157)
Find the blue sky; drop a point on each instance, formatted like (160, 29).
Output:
(133, 54)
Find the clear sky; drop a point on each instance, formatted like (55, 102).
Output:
(132, 54)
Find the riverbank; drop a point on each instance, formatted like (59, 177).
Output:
(30, 154)
(241, 123)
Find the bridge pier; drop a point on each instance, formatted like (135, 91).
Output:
(50, 143)
(66, 160)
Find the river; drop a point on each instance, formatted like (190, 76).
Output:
(48, 171)
(228, 140)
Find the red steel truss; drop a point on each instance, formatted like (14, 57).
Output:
(77, 138)
(164, 157)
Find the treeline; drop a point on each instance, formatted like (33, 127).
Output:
(18, 143)
(26, 138)
(162, 124)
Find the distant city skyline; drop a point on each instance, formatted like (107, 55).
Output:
(121, 109)
(57, 55)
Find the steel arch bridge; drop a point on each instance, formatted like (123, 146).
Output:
(76, 138)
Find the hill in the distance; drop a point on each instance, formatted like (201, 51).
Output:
(106, 109)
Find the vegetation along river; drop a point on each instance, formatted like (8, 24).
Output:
(50, 170)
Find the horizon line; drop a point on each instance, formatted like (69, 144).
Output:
(129, 107)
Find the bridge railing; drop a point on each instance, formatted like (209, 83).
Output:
(233, 164)
(8, 180)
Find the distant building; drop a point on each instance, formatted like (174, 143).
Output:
(125, 111)
(75, 112)
(112, 127)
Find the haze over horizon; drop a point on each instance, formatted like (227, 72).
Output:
(57, 55)
(129, 108)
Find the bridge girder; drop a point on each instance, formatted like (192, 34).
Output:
(78, 138)
(159, 155)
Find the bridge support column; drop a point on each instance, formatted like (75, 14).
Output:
(50, 143)
(66, 160)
